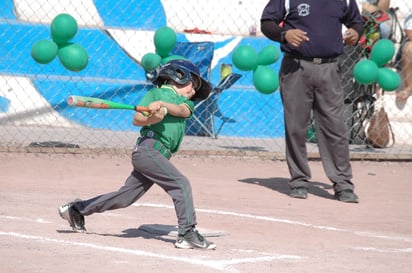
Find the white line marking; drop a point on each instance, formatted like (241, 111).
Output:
(385, 237)
(38, 220)
(223, 265)
(243, 215)
(385, 250)
(285, 221)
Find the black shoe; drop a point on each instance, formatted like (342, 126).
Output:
(193, 239)
(347, 196)
(299, 192)
(73, 216)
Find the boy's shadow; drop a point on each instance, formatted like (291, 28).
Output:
(281, 185)
(140, 232)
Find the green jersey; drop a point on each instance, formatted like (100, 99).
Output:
(171, 129)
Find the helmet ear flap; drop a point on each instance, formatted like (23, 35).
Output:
(196, 82)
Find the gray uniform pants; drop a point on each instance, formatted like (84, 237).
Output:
(306, 86)
(149, 167)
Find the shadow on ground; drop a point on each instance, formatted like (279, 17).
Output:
(281, 185)
(133, 233)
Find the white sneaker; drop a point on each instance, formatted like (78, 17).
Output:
(193, 239)
(73, 216)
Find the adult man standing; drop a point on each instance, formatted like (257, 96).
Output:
(310, 33)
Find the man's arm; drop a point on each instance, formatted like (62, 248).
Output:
(272, 16)
(358, 28)
(408, 34)
(383, 5)
(370, 8)
(272, 31)
(354, 23)
(353, 34)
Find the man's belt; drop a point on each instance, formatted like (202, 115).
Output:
(158, 146)
(313, 60)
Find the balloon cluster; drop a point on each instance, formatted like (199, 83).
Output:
(164, 41)
(246, 58)
(72, 56)
(369, 71)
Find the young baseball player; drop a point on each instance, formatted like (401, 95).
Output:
(179, 84)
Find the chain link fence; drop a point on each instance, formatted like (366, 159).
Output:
(239, 121)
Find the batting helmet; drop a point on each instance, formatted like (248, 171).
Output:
(182, 72)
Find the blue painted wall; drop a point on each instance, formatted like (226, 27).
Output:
(111, 12)
(7, 10)
(124, 80)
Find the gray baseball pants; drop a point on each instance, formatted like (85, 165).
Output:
(149, 167)
(307, 86)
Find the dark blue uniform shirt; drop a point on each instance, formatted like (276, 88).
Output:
(321, 19)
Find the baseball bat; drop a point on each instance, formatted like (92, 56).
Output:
(96, 103)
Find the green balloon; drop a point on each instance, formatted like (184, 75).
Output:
(268, 55)
(73, 57)
(388, 79)
(365, 71)
(265, 79)
(167, 59)
(63, 28)
(164, 41)
(244, 57)
(44, 51)
(150, 61)
(382, 52)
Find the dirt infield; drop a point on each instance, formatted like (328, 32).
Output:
(241, 203)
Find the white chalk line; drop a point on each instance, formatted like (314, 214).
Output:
(285, 221)
(24, 219)
(263, 218)
(223, 265)
(385, 250)
(242, 215)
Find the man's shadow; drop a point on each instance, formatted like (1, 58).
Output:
(281, 185)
